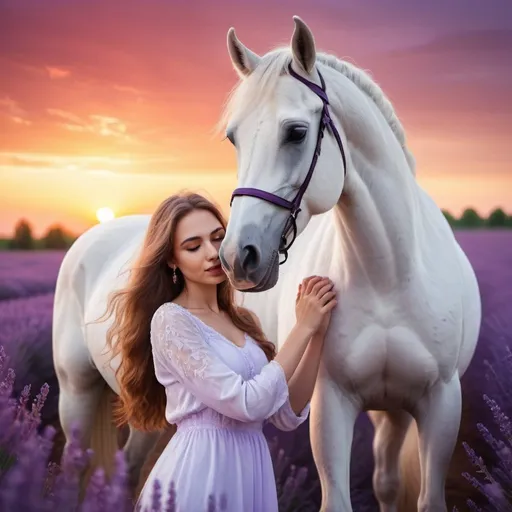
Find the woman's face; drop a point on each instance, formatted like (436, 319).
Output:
(196, 247)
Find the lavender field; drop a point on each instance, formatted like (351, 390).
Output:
(27, 283)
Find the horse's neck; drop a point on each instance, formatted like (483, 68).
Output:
(376, 214)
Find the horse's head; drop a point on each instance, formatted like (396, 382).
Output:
(276, 119)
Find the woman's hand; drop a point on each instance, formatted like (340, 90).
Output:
(314, 302)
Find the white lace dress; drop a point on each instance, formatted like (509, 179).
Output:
(219, 395)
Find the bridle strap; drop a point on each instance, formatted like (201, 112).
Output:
(262, 194)
(294, 205)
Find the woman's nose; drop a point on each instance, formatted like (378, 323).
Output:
(212, 252)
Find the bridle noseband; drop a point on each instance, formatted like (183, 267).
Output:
(294, 206)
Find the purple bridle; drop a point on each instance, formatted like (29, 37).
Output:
(294, 206)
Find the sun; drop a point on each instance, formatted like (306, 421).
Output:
(104, 214)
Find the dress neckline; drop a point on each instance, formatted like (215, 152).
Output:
(246, 337)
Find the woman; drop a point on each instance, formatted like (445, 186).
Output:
(192, 357)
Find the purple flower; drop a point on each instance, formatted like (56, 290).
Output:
(25, 274)
(497, 474)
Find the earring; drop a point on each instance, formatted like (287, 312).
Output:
(174, 277)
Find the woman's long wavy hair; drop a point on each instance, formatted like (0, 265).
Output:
(142, 398)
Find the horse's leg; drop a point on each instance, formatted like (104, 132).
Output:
(79, 399)
(332, 420)
(136, 449)
(77, 407)
(80, 383)
(438, 416)
(390, 431)
(84, 398)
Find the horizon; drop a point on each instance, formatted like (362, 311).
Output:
(57, 224)
(109, 107)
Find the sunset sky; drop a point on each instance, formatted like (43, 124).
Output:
(113, 103)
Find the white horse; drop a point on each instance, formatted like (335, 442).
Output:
(407, 325)
(409, 311)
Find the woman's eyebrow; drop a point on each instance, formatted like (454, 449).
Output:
(192, 238)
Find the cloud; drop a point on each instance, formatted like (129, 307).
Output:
(105, 126)
(14, 112)
(95, 165)
(60, 161)
(20, 120)
(129, 89)
(68, 116)
(20, 160)
(56, 73)
(12, 107)
(109, 126)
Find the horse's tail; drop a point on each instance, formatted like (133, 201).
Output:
(104, 436)
(410, 473)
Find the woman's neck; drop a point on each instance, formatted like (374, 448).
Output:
(198, 296)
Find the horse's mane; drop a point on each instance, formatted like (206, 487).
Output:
(262, 82)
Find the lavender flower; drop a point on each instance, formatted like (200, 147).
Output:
(25, 274)
(171, 502)
(26, 336)
(496, 483)
(294, 489)
(28, 483)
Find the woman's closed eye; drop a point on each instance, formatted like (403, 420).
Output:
(216, 239)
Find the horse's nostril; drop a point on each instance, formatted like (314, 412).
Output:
(251, 258)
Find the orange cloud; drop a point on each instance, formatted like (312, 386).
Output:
(56, 73)
(13, 111)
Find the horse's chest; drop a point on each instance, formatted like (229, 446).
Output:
(387, 349)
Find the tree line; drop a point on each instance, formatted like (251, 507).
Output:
(471, 219)
(56, 237)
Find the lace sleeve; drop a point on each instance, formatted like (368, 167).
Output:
(182, 350)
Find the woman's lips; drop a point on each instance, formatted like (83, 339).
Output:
(217, 270)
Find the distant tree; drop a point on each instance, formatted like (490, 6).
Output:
(497, 218)
(55, 238)
(450, 218)
(23, 238)
(470, 219)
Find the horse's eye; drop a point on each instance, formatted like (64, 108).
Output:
(296, 134)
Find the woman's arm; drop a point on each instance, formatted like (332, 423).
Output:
(300, 354)
(302, 384)
(293, 349)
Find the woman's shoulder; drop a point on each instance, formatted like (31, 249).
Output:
(171, 312)
(164, 309)
(171, 307)
(171, 325)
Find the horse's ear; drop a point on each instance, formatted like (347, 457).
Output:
(244, 61)
(303, 46)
